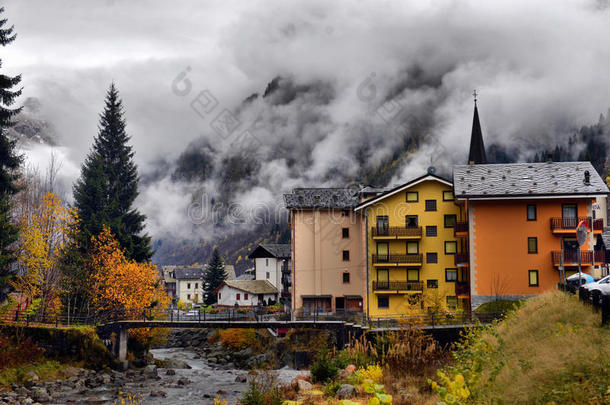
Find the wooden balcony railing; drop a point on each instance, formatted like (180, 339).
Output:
(461, 259)
(570, 257)
(569, 224)
(460, 227)
(395, 259)
(598, 225)
(462, 288)
(397, 231)
(398, 286)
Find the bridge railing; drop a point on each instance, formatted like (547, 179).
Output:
(435, 319)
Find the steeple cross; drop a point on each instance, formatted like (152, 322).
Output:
(475, 94)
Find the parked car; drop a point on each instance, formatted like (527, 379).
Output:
(585, 279)
(599, 288)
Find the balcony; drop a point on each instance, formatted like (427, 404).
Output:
(462, 288)
(587, 258)
(569, 225)
(398, 286)
(397, 260)
(462, 259)
(396, 232)
(460, 229)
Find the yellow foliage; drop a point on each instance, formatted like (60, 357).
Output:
(45, 231)
(122, 284)
(372, 372)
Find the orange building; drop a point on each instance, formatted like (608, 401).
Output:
(519, 225)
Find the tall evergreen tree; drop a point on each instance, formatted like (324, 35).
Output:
(108, 185)
(10, 161)
(214, 276)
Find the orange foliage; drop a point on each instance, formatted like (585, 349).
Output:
(238, 339)
(122, 284)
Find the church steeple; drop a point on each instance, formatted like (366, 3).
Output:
(477, 148)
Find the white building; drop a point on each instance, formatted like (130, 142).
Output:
(246, 293)
(272, 263)
(189, 284)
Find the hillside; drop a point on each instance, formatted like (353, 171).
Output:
(550, 351)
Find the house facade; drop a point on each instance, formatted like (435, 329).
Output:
(328, 250)
(272, 263)
(189, 284)
(520, 225)
(246, 293)
(412, 248)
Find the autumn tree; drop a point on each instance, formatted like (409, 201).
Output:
(44, 234)
(119, 283)
(10, 161)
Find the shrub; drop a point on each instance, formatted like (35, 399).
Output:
(371, 372)
(324, 368)
(238, 339)
(263, 390)
(330, 388)
(18, 351)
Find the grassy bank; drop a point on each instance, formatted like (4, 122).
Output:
(47, 351)
(550, 351)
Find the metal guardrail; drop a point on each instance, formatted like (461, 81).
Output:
(397, 231)
(415, 258)
(597, 301)
(398, 285)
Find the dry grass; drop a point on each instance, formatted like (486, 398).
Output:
(552, 350)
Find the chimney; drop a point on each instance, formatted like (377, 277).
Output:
(587, 179)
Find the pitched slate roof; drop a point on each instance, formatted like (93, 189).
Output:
(329, 198)
(277, 250)
(252, 286)
(411, 183)
(189, 273)
(512, 180)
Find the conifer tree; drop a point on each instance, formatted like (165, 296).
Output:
(214, 276)
(10, 161)
(108, 185)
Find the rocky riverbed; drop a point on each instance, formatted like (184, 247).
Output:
(185, 376)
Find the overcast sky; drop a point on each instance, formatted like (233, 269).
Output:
(540, 67)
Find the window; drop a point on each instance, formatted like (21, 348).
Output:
(266, 262)
(383, 252)
(219, 296)
(569, 211)
(413, 275)
(411, 221)
(452, 302)
(531, 212)
(188, 285)
(196, 286)
(346, 255)
(450, 221)
(345, 213)
(188, 296)
(431, 231)
(345, 278)
(383, 225)
(345, 233)
(533, 278)
(430, 205)
(431, 258)
(451, 275)
(238, 296)
(532, 245)
(268, 275)
(383, 276)
(432, 284)
(412, 196)
(450, 247)
(448, 195)
(383, 302)
(412, 248)
(246, 297)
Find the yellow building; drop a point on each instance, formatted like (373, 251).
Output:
(411, 249)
